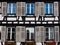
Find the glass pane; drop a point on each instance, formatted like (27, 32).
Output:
(27, 8)
(9, 30)
(13, 36)
(28, 34)
(32, 36)
(51, 35)
(8, 36)
(32, 8)
(51, 8)
(46, 8)
(9, 8)
(13, 29)
(14, 8)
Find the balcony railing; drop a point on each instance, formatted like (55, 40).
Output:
(29, 20)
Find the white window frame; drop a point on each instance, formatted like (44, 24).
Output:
(10, 32)
(30, 31)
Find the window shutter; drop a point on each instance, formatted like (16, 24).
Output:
(41, 11)
(17, 33)
(4, 8)
(20, 9)
(20, 34)
(0, 7)
(39, 34)
(36, 8)
(3, 34)
(56, 9)
(23, 8)
(42, 33)
(56, 33)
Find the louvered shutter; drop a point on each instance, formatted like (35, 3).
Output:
(56, 33)
(42, 33)
(4, 8)
(36, 8)
(0, 8)
(20, 34)
(39, 34)
(3, 34)
(20, 9)
(56, 9)
(39, 8)
(23, 8)
(17, 33)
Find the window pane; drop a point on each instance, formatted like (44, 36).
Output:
(9, 8)
(32, 36)
(32, 8)
(51, 8)
(46, 8)
(13, 34)
(14, 8)
(8, 36)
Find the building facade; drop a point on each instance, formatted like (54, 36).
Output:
(29, 23)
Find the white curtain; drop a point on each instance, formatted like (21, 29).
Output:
(17, 43)
(38, 43)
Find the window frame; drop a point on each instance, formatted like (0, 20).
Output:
(30, 34)
(49, 33)
(11, 33)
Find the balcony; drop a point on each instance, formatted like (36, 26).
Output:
(29, 20)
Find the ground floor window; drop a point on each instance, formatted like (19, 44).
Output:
(11, 33)
(49, 33)
(29, 33)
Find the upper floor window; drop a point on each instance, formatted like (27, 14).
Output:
(30, 8)
(49, 8)
(11, 8)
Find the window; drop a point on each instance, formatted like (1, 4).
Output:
(30, 33)
(30, 8)
(11, 8)
(49, 8)
(49, 33)
(11, 33)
